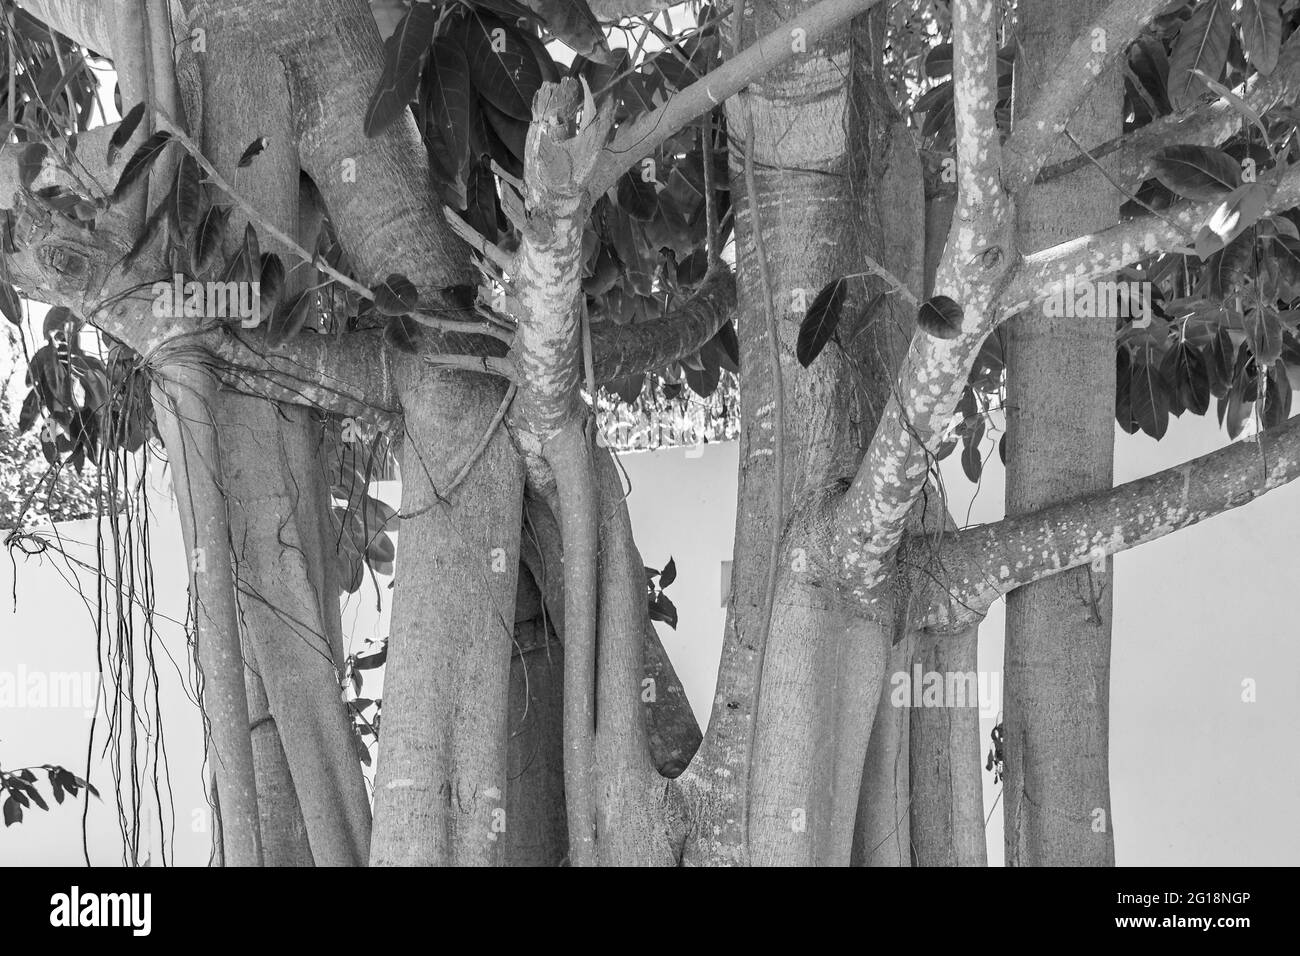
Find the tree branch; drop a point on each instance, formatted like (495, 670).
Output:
(1043, 274)
(1069, 86)
(648, 132)
(621, 350)
(980, 564)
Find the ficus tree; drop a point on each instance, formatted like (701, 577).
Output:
(324, 234)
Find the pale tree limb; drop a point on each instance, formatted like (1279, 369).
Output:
(981, 564)
(1042, 274)
(871, 518)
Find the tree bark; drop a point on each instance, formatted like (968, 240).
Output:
(1060, 442)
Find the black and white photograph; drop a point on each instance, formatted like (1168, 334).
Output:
(649, 433)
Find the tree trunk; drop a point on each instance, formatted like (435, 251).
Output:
(1060, 443)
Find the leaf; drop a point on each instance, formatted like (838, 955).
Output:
(820, 322)
(207, 239)
(31, 410)
(730, 347)
(1197, 172)
(972, 461)
(140, 162)
(1261, 33)
(404, 51)
(10, 304)
(396, 296)
(251, 152)
(13, 812)
(704, 380)
(1234, 215)
(503, 68)
(573, 22)
(669, 574)
(636, 196)
(1149, 403)
(940, 317)
(450, 100)
(291, 318)
(402, 333)
(371, 661)
(1263, 334)
(380, 550)
(187, 197)
(1202, 44)
(30, 163)
(1184, 370)
(663, 609)
(147, 233)
(270, 282)
(125, 130)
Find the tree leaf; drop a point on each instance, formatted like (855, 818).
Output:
(1149, 403)
(503, 68)
(972, 461)
(820, 322)
(1234, 215)
(125, 130)
(636, 196)
(669, 574)
(1197, 172)
(30, 162)
(397, 295)
(404, 51)
(270, 282)
(10, 304)
(187, 197)
(573, 22)
(1261, 33)
(1202, 44)
(291, 318)
(940, 317)
(13, 812)
(207, 239)
(450, 100)
(402, 333)
(730, 346)
(251, 152)
(140, 162)
(1188, 382)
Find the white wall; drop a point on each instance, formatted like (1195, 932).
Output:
(1199, 777)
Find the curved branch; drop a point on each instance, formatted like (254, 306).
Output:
(647, 133)
(621, 350)
(985, 562)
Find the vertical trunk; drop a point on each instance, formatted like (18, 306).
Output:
(284, 834)
(947, 793)
(184, 399)
(440, 787)
(1060, 442)
(785, 786)
(882, 834)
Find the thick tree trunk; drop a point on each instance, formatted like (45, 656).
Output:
(440, 787)
(947, 792)
(1060, 442)
(284, 833)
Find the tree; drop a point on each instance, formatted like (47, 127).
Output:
(457, 241)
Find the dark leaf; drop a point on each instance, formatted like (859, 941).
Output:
(669, 574)
(206, 246)
(730, 346)
(820, 322)
(1197, 172)
(940, 317)
(140, 162)
(187, 197)
(10, 303)
(251, 152)
(30, 162)
(1202, 44)
(290, 319)
(972, 460)
(396, 296)
(13, 812)
(450, 101)
(30, 412)
(502, 66)
(404, 51)
(1261, 32)
(402, 333)
(271, 282)
(637, 196)
(125, 130)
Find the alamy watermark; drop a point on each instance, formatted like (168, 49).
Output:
(212, 300)
(920, 688)
(49, 689)
(1090, 299)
